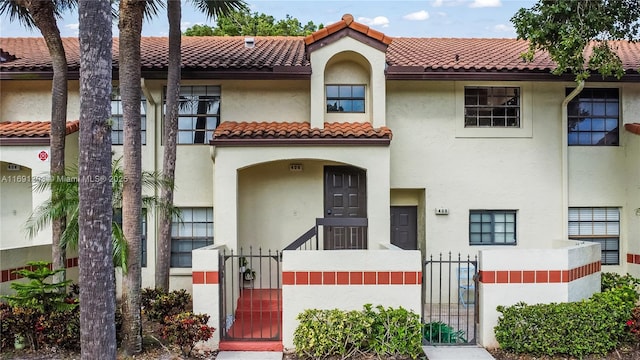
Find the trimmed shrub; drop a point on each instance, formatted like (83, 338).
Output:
(593, 326)
(383, 332)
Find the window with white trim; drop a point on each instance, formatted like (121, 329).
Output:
(600, 225)
(491, 106)
(198, 113)
(117, 123)
(492, 227)
(194, 231)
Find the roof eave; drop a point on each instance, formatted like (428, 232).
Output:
(302, 142)
(25, 141)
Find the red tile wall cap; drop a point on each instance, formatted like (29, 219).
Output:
(634, 128)
(32, 128)
(300, 130)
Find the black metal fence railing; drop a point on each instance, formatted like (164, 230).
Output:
(450, 306)
(250, 296)
(346, 233)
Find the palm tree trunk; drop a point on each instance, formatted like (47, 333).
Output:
(170, 138)
(97, 292)
(131, 15)
(43, 15)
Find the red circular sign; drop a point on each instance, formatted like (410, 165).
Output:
(43, 155)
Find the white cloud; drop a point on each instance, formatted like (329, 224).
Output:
(381, 21)
(417, 16)
(437, 3)
(485, 3)
(72, 26)
(442, 14)
(184, 25)
(503, 28)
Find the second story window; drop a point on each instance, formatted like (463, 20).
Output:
(486, 106)
(593, 117)
(345, 98)
(117, 124)
(198, 113)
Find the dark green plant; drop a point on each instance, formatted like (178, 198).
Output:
(165, 305)
(396, 332)
(38, 294)
(7, 331)
(439, 332)
(382, 332)
(324, 333)
(592, 326)
(186, 329)
(60, 329)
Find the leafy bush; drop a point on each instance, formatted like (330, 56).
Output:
(384, 332)
(395, 332)
(324, 333)
(186, 329)
(439, 332)
(157, 305)
(37, 294)
(7, 332)
(610, 281)
(593, 326)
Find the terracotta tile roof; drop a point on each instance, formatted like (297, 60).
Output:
(32, 129)
(201, 53)
(231, 130)
(287, 54)
(344, 23)
(634, 128)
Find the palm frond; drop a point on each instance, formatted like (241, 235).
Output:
(17, 13)
(215, 8)
(152, 8)
(120, 248)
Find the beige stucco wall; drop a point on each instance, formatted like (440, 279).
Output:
(495, 170)
(31, 100)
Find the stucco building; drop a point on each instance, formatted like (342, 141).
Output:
(440, 144)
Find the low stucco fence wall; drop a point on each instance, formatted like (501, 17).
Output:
(568, 272)
(347, 280)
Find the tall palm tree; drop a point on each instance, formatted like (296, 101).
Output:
(43, 14)
(97, 290)
(131, 15)
(211, 9)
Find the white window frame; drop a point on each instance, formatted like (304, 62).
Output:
(526, 114)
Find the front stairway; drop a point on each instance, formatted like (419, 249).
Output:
(257, 324)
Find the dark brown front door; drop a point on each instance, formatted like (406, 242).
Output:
(404, 226)
(345, 195)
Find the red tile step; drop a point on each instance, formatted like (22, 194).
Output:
(258, 322)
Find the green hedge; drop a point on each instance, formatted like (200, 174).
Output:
(593, 326)
(383, 332)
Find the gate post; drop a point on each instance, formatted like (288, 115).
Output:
(206, 290)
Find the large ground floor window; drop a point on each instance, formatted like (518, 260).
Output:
(194, 231)
(600, 225)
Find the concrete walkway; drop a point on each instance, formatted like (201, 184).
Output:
(249, 355)
(456, 353)
(433, 353)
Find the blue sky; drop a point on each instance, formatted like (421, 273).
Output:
(430, 18)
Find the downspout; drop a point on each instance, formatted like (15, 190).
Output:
(565, 159)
